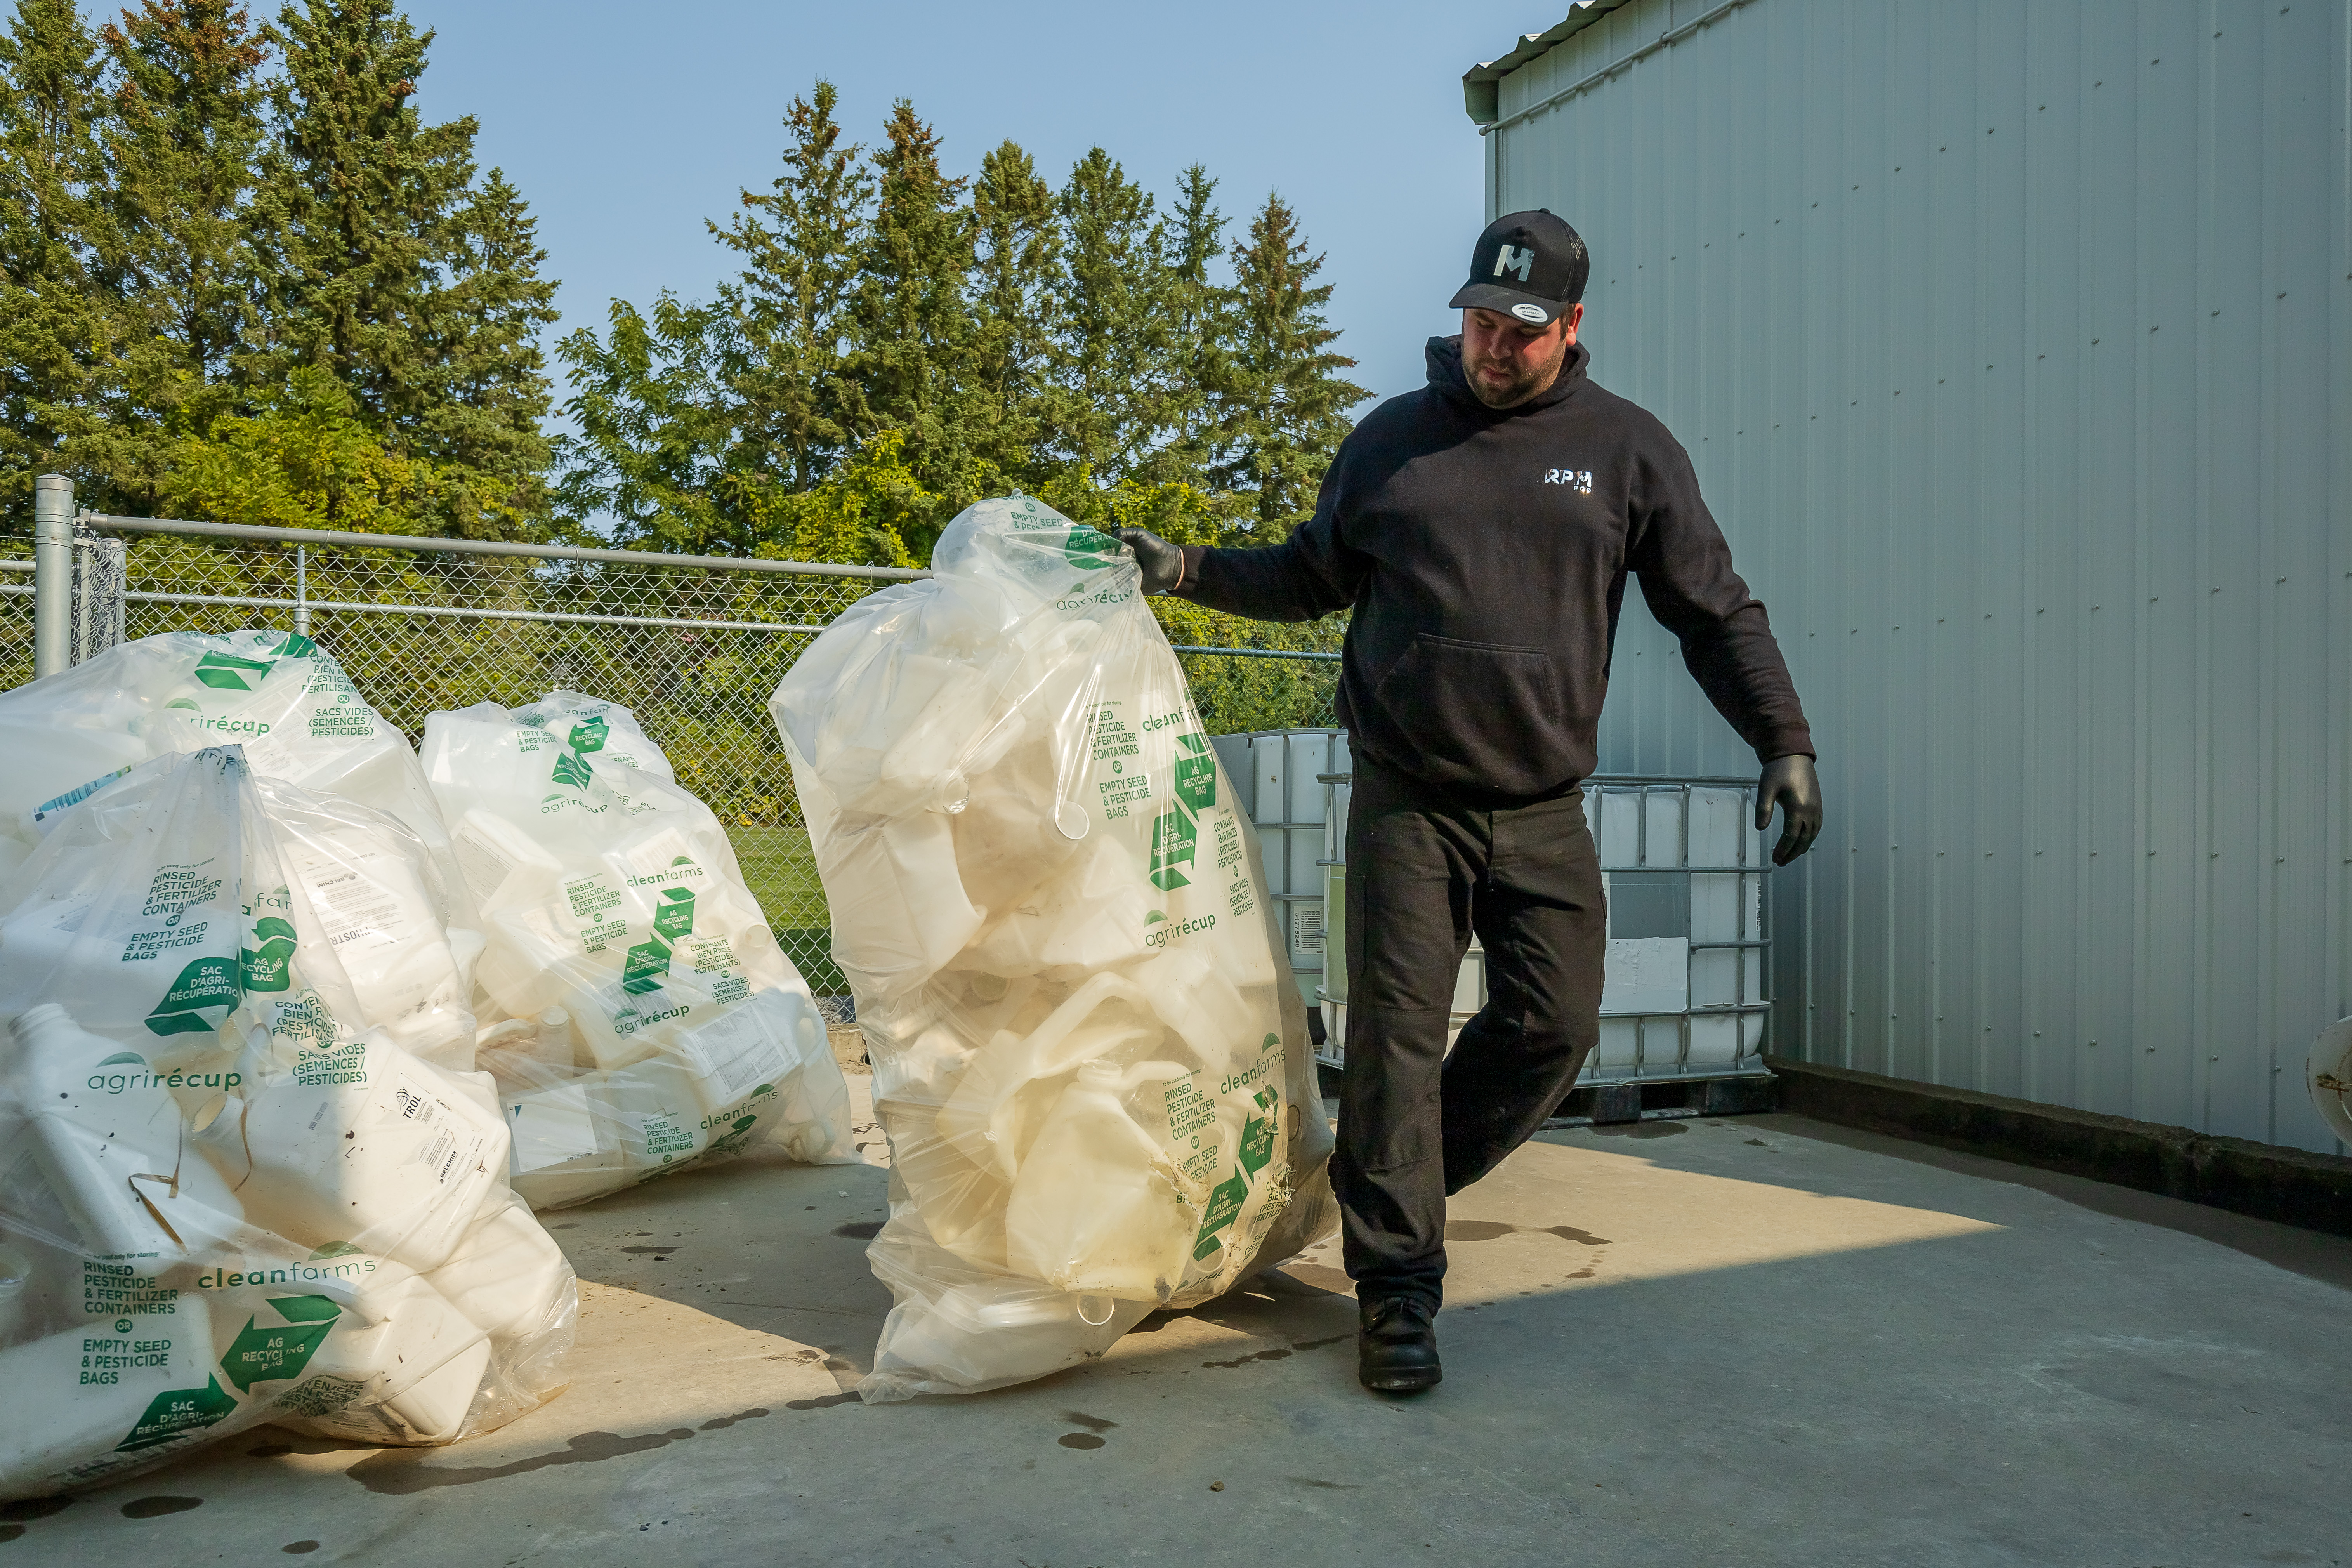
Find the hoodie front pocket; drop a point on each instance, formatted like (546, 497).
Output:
(1479, 713)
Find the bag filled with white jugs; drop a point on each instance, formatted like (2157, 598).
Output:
(639, 1018)
(231, 1189)
(1089, 1057)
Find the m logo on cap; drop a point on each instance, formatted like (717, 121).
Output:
(1506, 260)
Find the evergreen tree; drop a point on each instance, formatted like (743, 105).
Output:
(909, 324)
(173, 262)
(1114, 336)
(1285, 403)
(187, 125)
(491, 392)
(1196, 313)
(799, 246)
(1016, 279)
(389, 266)
(351, 206)
(49, 156)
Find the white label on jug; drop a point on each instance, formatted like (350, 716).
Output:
(482, 867)
(270, 757)
(734, 1052)
(446, 1151)
(552, 1128)
(361, 914)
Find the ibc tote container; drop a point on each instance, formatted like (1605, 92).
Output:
(1281, 776)
(1683, 867)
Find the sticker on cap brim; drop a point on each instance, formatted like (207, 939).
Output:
(1528, 312)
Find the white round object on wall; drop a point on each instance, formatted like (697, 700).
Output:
(2329, 1077)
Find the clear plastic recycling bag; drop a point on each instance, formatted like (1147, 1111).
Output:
(278, 694)
(226, 1198)
(1088, 1055)
(644, 1018)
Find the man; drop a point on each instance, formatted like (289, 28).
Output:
(1482, 528)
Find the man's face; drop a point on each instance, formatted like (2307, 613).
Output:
(1506, 360)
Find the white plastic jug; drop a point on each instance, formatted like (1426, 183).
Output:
(363, 1144)
(1097, 1209)
(370, 885)
(508, 1276)
(107, 1134)
(400, 1363)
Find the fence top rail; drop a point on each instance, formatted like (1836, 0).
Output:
(330, 539)
(1258, 653)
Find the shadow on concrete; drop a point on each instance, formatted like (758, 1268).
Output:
(2310, 1253)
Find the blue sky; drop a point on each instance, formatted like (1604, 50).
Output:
(626, 125)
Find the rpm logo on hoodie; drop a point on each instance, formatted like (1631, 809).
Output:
(1578, 479)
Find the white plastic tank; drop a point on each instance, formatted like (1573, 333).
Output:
(2328, 1076)
(1282, 775)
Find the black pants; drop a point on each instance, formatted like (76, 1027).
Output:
(1417, 1124)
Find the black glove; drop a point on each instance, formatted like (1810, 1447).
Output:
(1163, 563)
(1791, 781)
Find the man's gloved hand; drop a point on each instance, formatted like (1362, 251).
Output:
(1792, 783)
(1163, 563)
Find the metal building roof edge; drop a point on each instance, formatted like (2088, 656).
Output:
(1481, 94)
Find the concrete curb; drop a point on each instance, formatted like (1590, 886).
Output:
(2313, 1191)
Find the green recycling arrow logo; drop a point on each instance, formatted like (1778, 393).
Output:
(1175, 833)
(177, 1411)
(1224, 1203)
(261, 1355)
(270, 965)
(226, 672)
(1090, 550)
(647, 964)
(205, 983)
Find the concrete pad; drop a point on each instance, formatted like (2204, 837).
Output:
(1752, 1340)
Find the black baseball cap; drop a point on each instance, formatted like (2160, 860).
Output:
(1530, 265)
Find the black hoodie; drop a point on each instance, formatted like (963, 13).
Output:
(1484, 554)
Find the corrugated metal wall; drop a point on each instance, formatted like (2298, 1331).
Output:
(2014, 342)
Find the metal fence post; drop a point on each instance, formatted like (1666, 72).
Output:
(301, 590)
(52, 511)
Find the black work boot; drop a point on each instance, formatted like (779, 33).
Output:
(1396, 1347)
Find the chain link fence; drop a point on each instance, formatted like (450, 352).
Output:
(693, 644)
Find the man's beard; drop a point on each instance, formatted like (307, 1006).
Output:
(1525, 382)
